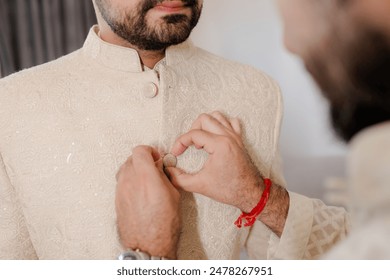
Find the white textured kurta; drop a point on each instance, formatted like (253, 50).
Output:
(369, 193)
(67, 126)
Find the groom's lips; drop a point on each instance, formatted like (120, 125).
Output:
(171, 6)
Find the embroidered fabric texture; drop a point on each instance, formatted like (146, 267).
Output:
(67, 126)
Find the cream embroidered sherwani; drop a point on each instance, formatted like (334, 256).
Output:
(369, 193)
(67, 126)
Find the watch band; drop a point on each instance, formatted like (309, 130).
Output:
(138, 255)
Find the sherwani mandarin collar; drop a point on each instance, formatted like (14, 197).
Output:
(127, 59)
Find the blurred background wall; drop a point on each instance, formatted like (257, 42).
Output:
(249, 31)
(35, 31)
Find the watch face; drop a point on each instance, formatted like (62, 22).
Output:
(129, 256)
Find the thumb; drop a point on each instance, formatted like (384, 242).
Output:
(183, 180)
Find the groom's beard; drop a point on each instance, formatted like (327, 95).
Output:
(134, 27)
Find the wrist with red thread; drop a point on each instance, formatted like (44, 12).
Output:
(256, 211)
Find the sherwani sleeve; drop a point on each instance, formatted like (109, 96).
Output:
(15, 242)
(311, 229)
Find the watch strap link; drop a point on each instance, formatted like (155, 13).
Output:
(138, 255)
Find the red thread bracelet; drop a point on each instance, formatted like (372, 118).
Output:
(251, 217)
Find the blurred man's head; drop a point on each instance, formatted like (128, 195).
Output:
(345, 45)
(150, 24)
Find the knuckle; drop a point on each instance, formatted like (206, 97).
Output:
(128, 164)
(204, 117)
(217, 114)
(128, 161)
(140, 151)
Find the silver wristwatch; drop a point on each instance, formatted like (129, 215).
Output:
(138, 255)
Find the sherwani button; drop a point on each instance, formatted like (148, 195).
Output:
(150, 90)
(169, 160)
